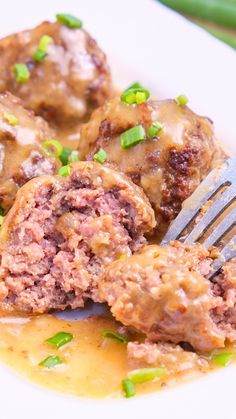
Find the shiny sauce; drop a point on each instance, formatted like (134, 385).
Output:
(93, 366)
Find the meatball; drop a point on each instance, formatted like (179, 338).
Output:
(166, 355)
(67, 84)
(21, 156)
(163, 293)
(169, 166)
(62, 231)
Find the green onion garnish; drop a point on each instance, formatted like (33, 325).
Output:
(70, 21)
(39, 55)
(51, 361)
(44, 41)
(146, 374)
(21, 72)
(154, 129)
(181, 100)
(112, 334)
(64, 171)
(41, 52)
(1, 219)
(223, 359)
(53, 147)
(135, 94)
(64, 157)
(10, 118)
(60, 339)
(100, 156)
(74, 156)
(2, 212)
(132, 136)
(128, 388)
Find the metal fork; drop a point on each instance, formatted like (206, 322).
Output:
(223, 176)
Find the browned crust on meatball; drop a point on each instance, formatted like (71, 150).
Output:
(72, 80)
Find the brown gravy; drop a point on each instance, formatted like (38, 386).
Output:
(93, 366)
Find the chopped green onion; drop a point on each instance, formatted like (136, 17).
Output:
(1, 220)
(44, 41)
(53, 147)
(128, 388)
(154, 129)
(41, 52)
(141, 97)
(70, 21)
(60, 339)
(74, 156)
(130, 98)
(2, 212)
(222, 359)
(181, 100)
(21, 72)
(10, 118)
(112, 334)
(64, 171)
(132, 136)
(100, 156)
(146, 374)
(135, 94)
(39, 55)
(64, 157)
(51, 361)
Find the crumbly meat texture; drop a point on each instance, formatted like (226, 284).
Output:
(169, 166)
(71, 81)
(164, 293)
(21, 155)
(62, 232)
(166, 355)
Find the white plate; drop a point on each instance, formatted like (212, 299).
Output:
(146, 42)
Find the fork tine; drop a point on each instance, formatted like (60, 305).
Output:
(223, 227)
(211, 214)
(206, 190)
(227, 253)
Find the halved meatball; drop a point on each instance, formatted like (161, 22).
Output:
(163, 292)
(168, 166)
(62, 232)
(67, 84)
(21, 154)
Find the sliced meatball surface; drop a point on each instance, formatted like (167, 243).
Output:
(21, 155)
(168, 166)
(67, 84)
(62, 231)
(163, 292)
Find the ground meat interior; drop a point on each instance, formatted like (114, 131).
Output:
(57, 252)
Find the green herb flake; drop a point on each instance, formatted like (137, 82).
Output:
(112, 334)
(10, 119)
(132, 136)
(128, 388)
(51, 361)
(70, 21)
(181, 100)
(60, 339)
(100, 156)
(154, 129)
(64, 171)
(21, 72)
(222, 359)
(143, 375)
